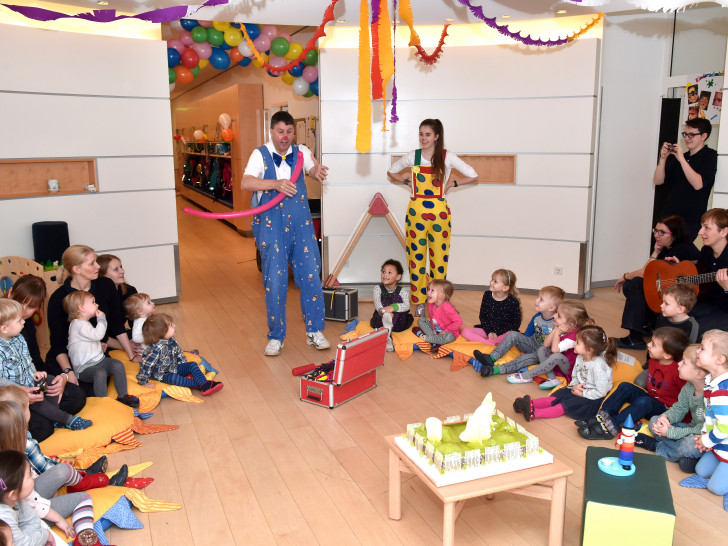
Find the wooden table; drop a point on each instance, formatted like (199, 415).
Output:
(546, 482)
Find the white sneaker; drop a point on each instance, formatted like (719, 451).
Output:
(390, 345)
(273, 348)
(318, 340)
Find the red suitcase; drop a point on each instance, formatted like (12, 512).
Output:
(351, 373)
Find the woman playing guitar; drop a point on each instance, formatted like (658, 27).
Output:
(711, 310)
(670, 240)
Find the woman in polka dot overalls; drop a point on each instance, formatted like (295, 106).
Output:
(428, 215)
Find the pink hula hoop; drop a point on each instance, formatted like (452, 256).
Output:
(262, 208)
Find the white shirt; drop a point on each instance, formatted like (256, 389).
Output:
(136, 332)
(451, 162)
(256, 166)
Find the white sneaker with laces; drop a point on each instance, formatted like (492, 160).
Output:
(273, 348)
(318, 340)
(390, 345)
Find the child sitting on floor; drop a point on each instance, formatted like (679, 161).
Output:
(591, 380)
(445, 322)
(663, 387)
(675, 440)
(712, 468)
(500, 310)
(391, 302)
(138, 307)
(86, 351)
(16, 367)
(164, 361)
(549, 298)
(677, 301)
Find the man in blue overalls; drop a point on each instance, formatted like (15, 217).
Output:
(284, 234)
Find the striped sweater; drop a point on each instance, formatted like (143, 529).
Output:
(715, 431)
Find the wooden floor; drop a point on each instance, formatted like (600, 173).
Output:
(254, 465)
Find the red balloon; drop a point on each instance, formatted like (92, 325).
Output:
(183, 74)
(228, 135)
(189, 58)
(235, 55)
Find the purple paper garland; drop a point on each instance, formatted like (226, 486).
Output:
(163, 15)
(394, 118)
(503, 29)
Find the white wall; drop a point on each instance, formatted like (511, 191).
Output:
(74, 95)
(720, 190)
(537, 103)
(634, 63)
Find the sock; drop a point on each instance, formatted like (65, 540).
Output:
(73, 475)
(83, 515)
(496, 370)
(547, 413)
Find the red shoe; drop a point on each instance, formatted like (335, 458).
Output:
(89, 481)
(87, 537)
(210, 387)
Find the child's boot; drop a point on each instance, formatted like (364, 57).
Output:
(210, 387)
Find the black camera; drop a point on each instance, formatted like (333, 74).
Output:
(41, 385)
(670, 147)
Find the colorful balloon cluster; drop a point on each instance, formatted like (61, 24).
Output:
(221, 44)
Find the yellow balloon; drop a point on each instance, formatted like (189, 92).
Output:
(233, 36)
(222, 26)
(258, 64)
(288, 78)
(293, 51)
(203, 63)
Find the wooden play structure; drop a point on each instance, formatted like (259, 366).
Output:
(377, 207)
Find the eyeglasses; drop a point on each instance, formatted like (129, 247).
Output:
(691, 135)
(661, 232)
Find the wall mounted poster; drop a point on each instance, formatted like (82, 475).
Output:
(705, 98)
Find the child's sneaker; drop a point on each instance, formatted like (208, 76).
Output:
(390, 345)
(87, 537)
(79, 423)
(483, 358)
(517, 379)
(549, 384)
(646, 442)
(129, 400)
(688, 464)
(210, 387)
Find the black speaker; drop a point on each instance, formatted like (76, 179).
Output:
(50, 240)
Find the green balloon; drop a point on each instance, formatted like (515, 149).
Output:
(215, 37)
(311, 58)
(172, 75)
(279, 46)
(309, 93)
(196, 70)
(199, 34)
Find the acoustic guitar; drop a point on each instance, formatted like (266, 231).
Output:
(660, 274)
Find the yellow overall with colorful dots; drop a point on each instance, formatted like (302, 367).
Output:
(428, 230)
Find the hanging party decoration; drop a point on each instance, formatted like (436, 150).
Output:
(364, 102)
(405, 12)
(163, 15)
(652, 5)
(393, 111)
(503, 29)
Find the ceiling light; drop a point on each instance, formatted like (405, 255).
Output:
(561, 12)
(102, 3)
(449, 20)
(505, 16)
(341, 20)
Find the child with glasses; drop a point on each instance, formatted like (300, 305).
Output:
(688, 176)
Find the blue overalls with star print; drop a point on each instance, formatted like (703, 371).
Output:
(285, 235)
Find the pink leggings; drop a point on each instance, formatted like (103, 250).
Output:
(542, 408)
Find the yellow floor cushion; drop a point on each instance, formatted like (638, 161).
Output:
(109, 417)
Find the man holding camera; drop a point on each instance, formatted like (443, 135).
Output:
(689, 176)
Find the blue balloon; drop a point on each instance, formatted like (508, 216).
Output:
(225, 46)
(274, 74)
(313, 86)
(297, 70)
(188, 24)
(252, 30)
(236, 25)
(173, 57)
(219, 59)
(246, 61)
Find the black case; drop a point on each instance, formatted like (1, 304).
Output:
(341, 303)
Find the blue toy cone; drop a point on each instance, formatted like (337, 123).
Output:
(629, 423)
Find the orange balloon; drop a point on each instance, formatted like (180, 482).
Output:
(228, 135)
(184, 75)
(235, 55)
